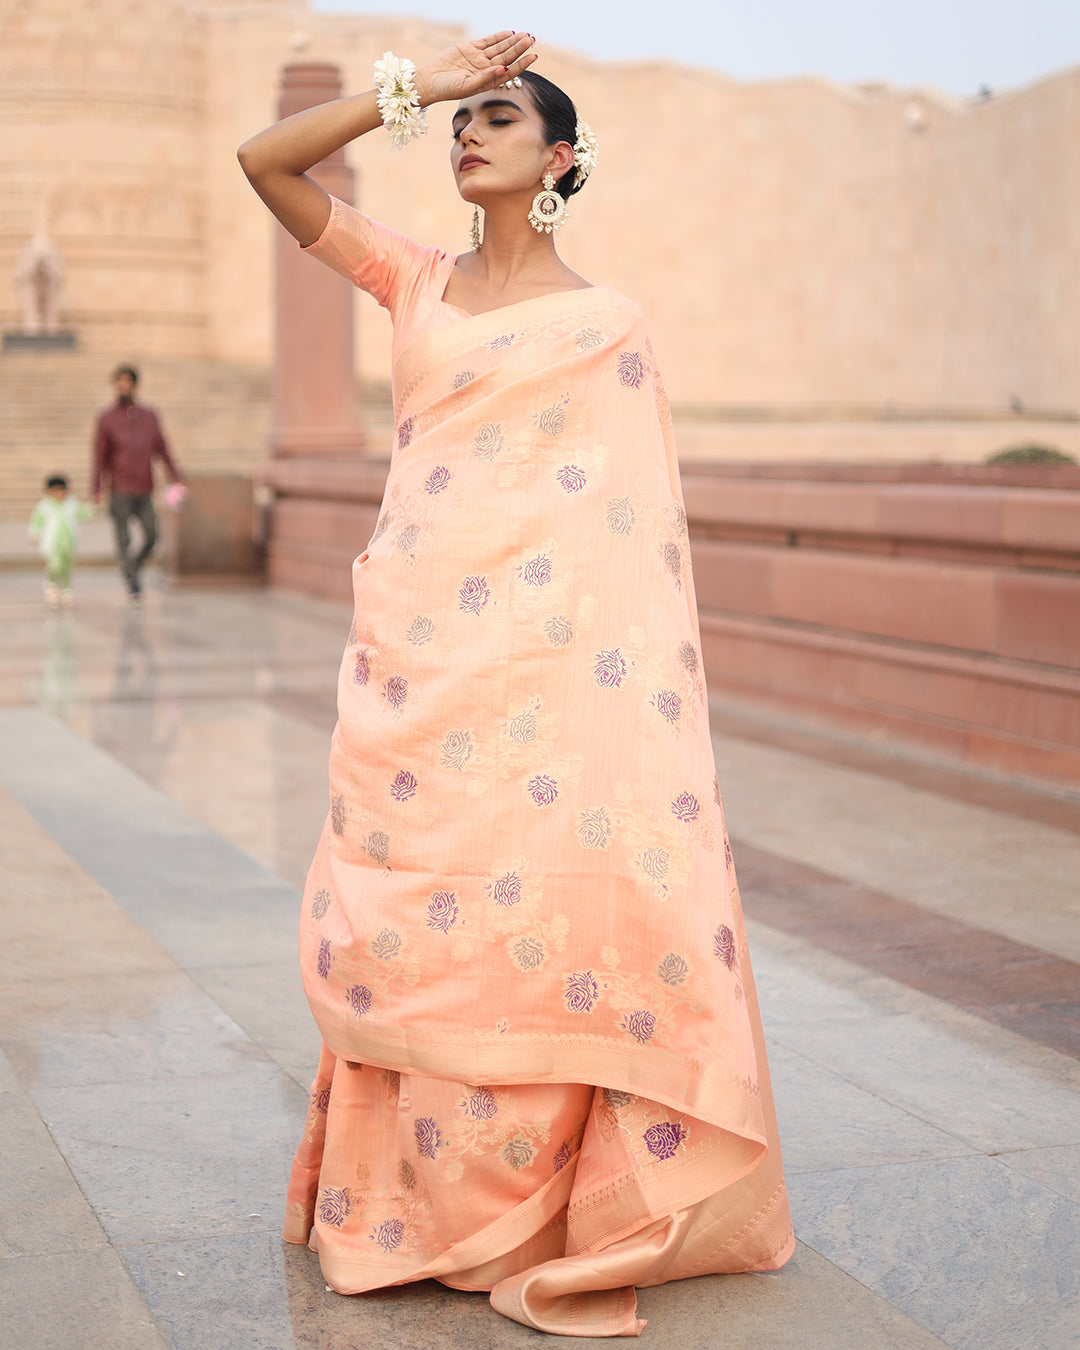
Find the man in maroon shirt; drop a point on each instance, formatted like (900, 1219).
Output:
(127, 439)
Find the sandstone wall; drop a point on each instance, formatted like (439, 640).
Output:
(800, 248)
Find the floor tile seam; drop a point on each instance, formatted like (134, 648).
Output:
(885, 971)
(899, 764)
(1027, 951)
(972, 1152)
(903, 1108)
(876, 1294)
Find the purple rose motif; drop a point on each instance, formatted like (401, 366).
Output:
(337, 814)
(324, 960)
(507, 890)
(320, 903)
(503, 340)
(563, 1154)
(528, 953)
(672, 969)
(610, 669)
(543, 789)
(518, 1153)
(552, 421)
(378, 847)
(522, 729)
(321, 1101)
(654, 862)
(663, 1139)
(724, 946)
(580, 991)
(537, 571)
(487, 441)
(437, 480)
(442, 912)
(388, 1235)
(404, 786)
(688, 657)
(359, 996)
(571, 478)
(362, 669)
(631, 369)
(407, 539)
(594, 828)
(673, 559)
(335, 1206)
(428, 1137)
(473, 594)
(686, 807)
(396, 690)
(456, 749)
(669, 705)
(641, 1024)
(620, 515)
(728, 859)
(481, 1104)
(404, 434)
(559, 630)
(464, 377)
(386, 944)
(421, 630)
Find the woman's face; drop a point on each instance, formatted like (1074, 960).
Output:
(499, 146)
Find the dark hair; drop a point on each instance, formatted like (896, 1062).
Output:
(559, 116)
(126, 370)
(56, 480)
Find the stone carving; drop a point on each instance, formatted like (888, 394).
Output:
(39, 277)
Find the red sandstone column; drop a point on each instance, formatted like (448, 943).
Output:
(315, 404)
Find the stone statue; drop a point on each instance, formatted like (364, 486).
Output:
(39, 276)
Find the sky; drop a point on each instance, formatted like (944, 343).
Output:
(958, 46)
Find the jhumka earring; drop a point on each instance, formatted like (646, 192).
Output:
(548, 211)
(474, 232)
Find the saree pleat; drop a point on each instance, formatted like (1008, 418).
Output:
(543, 1073)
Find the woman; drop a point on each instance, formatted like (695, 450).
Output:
(543, 1072)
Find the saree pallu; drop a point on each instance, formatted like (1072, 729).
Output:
(543, 1072)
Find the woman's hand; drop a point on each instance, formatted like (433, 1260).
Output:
(472, 67)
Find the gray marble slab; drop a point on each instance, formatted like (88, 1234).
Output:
(82, 1300)
(44, 1212)
(828, 1122)
(167, 1158)
(982, 1256)
(200, 898)
(125, 1029)
(1058, 1169)
(264, 1295)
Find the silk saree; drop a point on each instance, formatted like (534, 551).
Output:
(543, 1072)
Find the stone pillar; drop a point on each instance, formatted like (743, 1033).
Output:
(315, 404)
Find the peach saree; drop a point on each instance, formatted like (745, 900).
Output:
(543, 1073)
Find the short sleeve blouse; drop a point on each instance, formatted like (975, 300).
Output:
(405, 277)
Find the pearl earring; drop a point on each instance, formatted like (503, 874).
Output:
(548, 211)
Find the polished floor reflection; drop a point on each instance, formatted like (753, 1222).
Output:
(162, 783)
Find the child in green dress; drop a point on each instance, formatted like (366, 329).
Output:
(54, 527)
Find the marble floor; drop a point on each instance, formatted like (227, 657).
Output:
(916, 939)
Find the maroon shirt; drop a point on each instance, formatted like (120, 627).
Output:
(128, 437)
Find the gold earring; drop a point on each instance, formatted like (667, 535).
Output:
(474, 232)
(548, 210)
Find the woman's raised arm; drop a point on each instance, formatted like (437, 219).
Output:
(277, 160)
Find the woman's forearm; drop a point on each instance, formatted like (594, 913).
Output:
(298, 143)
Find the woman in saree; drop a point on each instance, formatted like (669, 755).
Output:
(543, 1073)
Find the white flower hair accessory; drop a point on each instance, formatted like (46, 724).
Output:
(399, 101)
(584, 151)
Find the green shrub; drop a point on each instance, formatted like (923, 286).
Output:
(1030, 454)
